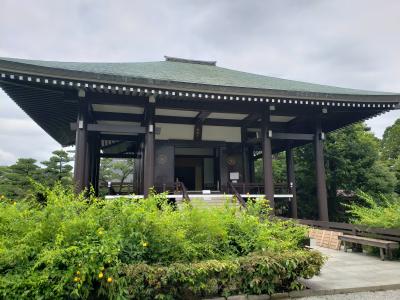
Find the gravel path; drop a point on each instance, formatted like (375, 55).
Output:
(382, 295)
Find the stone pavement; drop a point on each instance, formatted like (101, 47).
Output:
(380, 295)
(353, 270)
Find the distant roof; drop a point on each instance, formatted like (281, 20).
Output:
(178, 70)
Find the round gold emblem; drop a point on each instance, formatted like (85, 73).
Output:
(162, 159)
(231, 161)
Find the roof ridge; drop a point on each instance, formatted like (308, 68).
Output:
(191, 61)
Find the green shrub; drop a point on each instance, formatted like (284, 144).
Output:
(262, 273)
(381, 212)
(72, 247)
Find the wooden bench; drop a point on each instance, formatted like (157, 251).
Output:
(385, 247)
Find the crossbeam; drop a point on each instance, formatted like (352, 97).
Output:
(115, 128)
(285, 136)
(119, 155)
(292, 136)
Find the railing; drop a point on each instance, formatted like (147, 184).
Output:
(185, 194)
(116, 188)
(258, 188)
(360, 230)
(242, 188)
(237, 195)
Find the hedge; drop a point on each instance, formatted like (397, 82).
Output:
(262, 273)
(74, 247)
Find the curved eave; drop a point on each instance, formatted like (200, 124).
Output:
(48, 108)
(96, 78)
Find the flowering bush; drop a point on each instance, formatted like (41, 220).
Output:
(75, 247)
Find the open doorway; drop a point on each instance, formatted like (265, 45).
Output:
(189, 170)
(196, 169)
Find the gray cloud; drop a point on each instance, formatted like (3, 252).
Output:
(338, 42)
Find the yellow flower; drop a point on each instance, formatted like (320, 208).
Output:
(145, 244)
(76, 279)
(101, 275)
(78, 273)
(14, 203)
(109, 279)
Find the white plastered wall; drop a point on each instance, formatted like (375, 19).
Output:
(175, 131)
(221, 133)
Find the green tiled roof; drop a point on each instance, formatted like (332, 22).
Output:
(192, 72)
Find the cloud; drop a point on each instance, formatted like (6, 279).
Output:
(345, 43)
(6, 157)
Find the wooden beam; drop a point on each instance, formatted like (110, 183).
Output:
(280, 109)
(292, 136)
(149, 148)
(267, 159)
(320, 173)
(81, 145)
(202, 116)
(250, 119)
(198, 125)
(119, 137)
(245, 156)
(97, 165)
(112, 144)
(223, 169)
(109, 116)
(198, 131)
(119, 155)
(200, 119)
(115, 128)
(291, 182)
(283, 136)
(102, 98)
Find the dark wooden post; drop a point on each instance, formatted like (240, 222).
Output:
(245, 157)
(252, 175)
(291, 182)
(81, 144)
(148, 170)
(320, 173)
(267, 158)
(140, 171)
(89, 161)
(96, 158)
(223, 170)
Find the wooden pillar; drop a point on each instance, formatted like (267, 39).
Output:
(252, 175)
(223, 170)
(267, 158)
(89, 161)
(141, 163)
(245, 157)
(320, 173)
(291, 182)
(148, 170)
(81, 144)
(96, 171)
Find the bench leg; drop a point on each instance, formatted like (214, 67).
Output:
(389, 253)
(382, 253)
(356, 248)
(344, 246)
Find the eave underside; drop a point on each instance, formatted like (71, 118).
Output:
(54, 109)
(53, 104)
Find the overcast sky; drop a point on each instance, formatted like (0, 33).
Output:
(346, 43)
